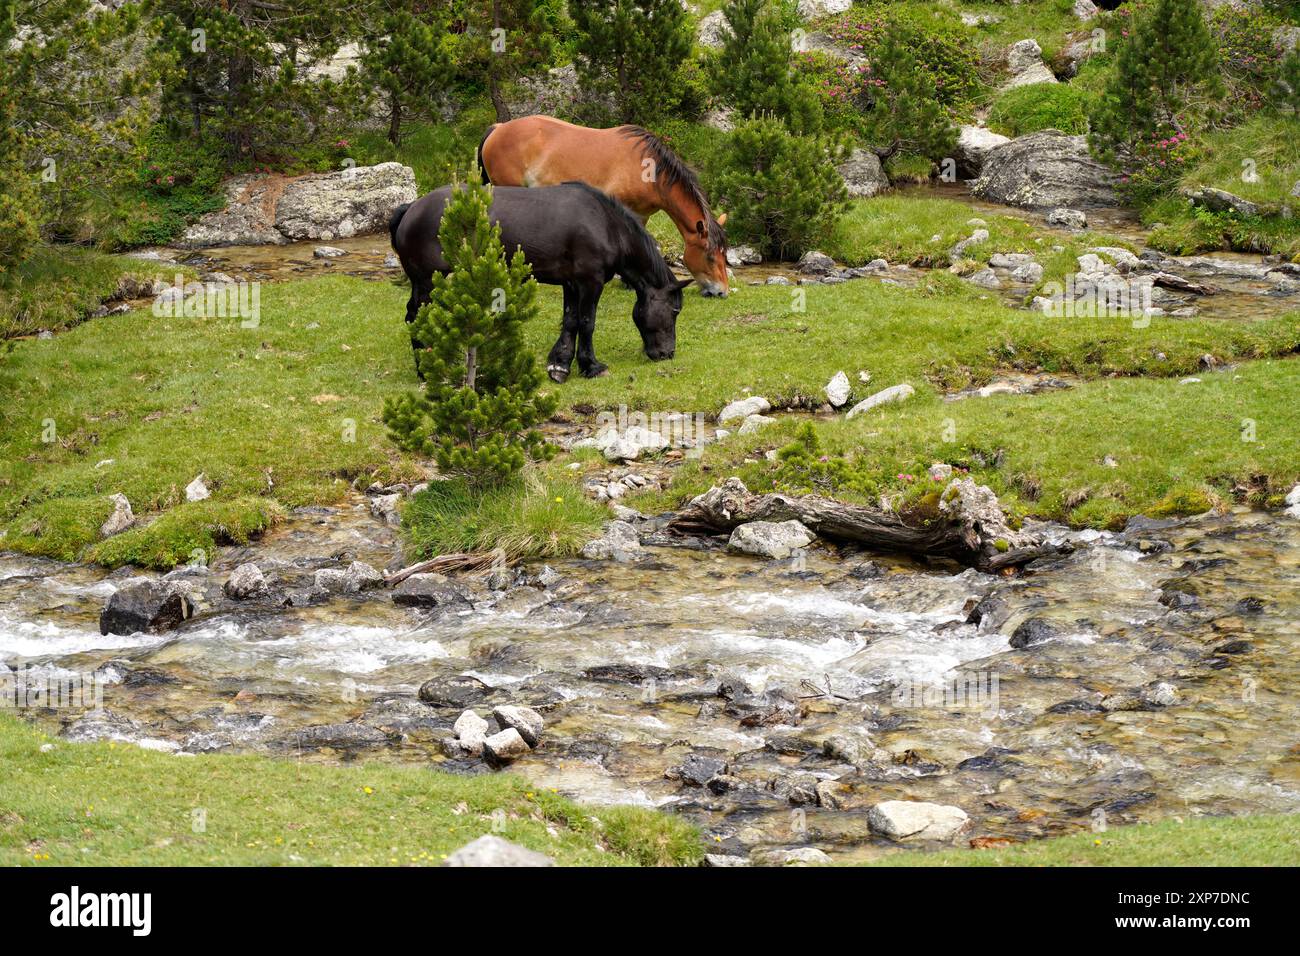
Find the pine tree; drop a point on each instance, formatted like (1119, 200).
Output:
(781, 191)
(481, 402)
(629, 53)
(753, 72)
(407, 58)
(502, 40)
(905, 113)
(1164, 69)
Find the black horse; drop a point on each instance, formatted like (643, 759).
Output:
(573, 236)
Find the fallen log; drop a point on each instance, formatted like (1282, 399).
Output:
(969, 526)
(459, 561)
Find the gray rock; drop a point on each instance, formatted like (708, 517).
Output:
(698, 769)
(460, 691)
(1046, 169)
(620, 542)
(471, 730)
(974, 143)
(862, 174)
(815, 9)
(385, 508)
(328, 252)
(743, 256)
(712, 31)
(895, 393)
(914, 820)
(1220, 200)
(769, 539)
(974, 239)
(525, 720)
(245, 581)
(791, 856)
(742, 408)
(121, 518)
(1036, 630)
(490, 850)
(1085, 9)
(814, 263)
(630, 444)
(1070, 218)
(985, 279)
(838, 390)
(1026, 66)
(1030, 273)
(753, 423)
(1293, 502)
(429, 590)
(724, 859)
(505, 746)
(146, 606)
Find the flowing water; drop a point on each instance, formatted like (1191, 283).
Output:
(625, 662)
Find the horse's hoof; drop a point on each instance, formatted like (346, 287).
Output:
(596, 371)
(558, 373)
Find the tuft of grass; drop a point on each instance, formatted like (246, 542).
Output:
(189, 532)
(537, 516)
(57, 287)
(1028, 109)
(1198, 841)
(107, 804)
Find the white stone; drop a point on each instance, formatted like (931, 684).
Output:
(974, 143)
(197, 490)
(1293, 502)
(245, 581)
(815, 9)
(1085, 9)
(838, 389)
(743, 408)
(328, 252)
(490, 850)
(525, 720)
(121, 518)
(895, 393)
(770, 539)
(910, 819)
(471, 730)
(753, 423)
(505, 746)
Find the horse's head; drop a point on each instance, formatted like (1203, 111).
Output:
(706, 256)
(655, 315)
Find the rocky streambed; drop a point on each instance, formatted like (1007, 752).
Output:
(785, 705)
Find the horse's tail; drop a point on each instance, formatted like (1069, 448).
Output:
(482, 170)
(395, 220)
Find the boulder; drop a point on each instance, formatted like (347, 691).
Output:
(815, 9)
(272, 209)
(770, 539)
(863, 175)
(838, 390)
(458, 691)
(525, 720)
(1046, 169)
(490, 850)
(791, 856)
(1026, 66)
(974, 143)
(245, 581)
(471, 730)
(428, 590)
(505, 746)
(1070, 218)
(146, 606)
(712, 31)
(743, 256)
(915, 820)
(1220, 200)
(1036, 630)
(985, 279)
(743, 408)
(121, 518)
(1085, 9)
(620, 542)
(895, 393)
(814, 263)
(1293, 502)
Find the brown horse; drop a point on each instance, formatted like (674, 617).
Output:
(626, 162)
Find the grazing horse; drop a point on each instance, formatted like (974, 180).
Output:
(627, 162)
(573, 236)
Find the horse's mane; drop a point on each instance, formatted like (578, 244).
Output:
(661, 274)
(674, 172)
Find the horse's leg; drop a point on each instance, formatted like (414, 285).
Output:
(561, 357)
(421, 289)
(589, 298)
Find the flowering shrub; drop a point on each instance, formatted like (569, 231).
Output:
(1248, 54)
(1158, 164)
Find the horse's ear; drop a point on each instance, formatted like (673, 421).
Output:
(683, 283)
(722, 220)
(699, 227)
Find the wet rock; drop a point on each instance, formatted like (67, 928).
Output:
(742, 408)
(862, 174)
(974, 143)
(895, 393)
(149, 606)
(697, 770)
(1036, 630)
(460, 691)
(305, 597)
(1070, 218)
(120, 519)
(1234, 647)
(1046, 169)
(990, 613)
(328, 252)
(197, 490)
(1293, 503)
(855, 749)
(335, 736)
(814, 263)
(385, 508)
(724, 859)
(914, 820)
(830, 794)
(619, 543)
(428, 590)
(770, 539)
(526, 721)
(629, 673)
(1162, 694)
(471, 730)
(1249, 605)
(245, 581)
(773, 707)
(505, 746)
(725, 783)
(732, 686)
(797, 789)
(791, 856)
(1177, 600)
(101, 725)
(490, 850)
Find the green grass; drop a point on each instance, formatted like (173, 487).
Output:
(539, 516)
(118, 805)
(439, 153)
(286, 414)
(1198, 841)
(1178, 449)
(1028, 109)
(57, 286)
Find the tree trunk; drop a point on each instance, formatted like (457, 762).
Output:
(498, 100)
(395, 120)
(471, 367)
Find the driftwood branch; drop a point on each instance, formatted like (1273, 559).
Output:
(969, 528)
(460, 561)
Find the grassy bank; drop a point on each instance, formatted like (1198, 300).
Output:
(1199, 841)
(288, 413)
(118, 805)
